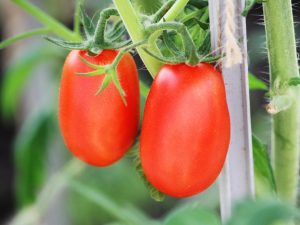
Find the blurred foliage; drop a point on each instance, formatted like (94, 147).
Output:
(262, 212)
(192, 215)
(264, 177)
(20, 71)
(30, 156)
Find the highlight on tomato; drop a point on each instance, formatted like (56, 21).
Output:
(186, 129)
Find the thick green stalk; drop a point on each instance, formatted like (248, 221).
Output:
(136, 29)
(285, 127)
(55, 26)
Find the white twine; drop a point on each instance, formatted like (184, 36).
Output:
(232, 50)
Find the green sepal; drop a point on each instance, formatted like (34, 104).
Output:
(211, 59)
(168, 60)
(114, 75)
(88, 63)
(88, 25)
(104, 84)
(67, 44)
(92, 73)
(118, 45)
(294, 81)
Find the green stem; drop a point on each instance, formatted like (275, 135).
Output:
(100, 28)
(77, 16)
(125, 50)
(28, 34)
(55, 26)
(283, 65)
(136, 29)
(175, 10)
(190, 49)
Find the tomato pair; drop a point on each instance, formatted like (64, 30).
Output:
(185, 132)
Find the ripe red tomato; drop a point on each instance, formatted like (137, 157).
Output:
(98, 129)
(186, 129)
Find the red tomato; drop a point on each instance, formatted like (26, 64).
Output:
(98, 129)
(186, 129)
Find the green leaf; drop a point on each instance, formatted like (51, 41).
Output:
(30, 151)
(255, 83)
(192, 215)
(262, 212)
(264, 176)
(294, 81)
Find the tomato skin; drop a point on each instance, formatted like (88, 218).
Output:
(98, 129)
(186, 129)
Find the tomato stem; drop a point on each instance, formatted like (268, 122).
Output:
(136, 29)
(282, 54)
(190, 48)
(77, 16)
(99, 39)
(55, 26)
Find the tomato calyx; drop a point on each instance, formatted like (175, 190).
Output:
(178, 41)
(96, 37)
(109, 71)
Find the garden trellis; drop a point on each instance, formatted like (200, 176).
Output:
(228, 36)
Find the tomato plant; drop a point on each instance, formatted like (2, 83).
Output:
(186, 129)
(98, 129)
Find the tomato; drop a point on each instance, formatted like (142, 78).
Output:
(186, 129)
(98, 129)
